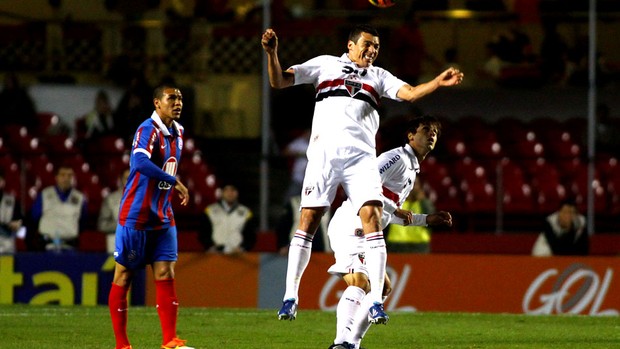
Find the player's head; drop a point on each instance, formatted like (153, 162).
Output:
(422, 134)
(168, 102)
(363, 45)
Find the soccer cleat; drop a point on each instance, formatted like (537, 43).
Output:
(288, 310)
(176, 343)
(126, 347)
(344, 345)
(377, 315)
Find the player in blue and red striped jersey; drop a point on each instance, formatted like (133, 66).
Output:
(146, 232)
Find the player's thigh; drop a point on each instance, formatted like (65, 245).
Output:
(362, 182)
(320, 183)
(130, 247)
(163, 245)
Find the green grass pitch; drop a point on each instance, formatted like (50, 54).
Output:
(43, 327)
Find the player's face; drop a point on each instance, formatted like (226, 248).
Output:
(169, 106)
(365, 51)
(425, 137)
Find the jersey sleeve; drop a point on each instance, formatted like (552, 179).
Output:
(391, 85)
(309, 71)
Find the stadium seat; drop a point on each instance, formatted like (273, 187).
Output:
(45, 122)
(39, 171)
(518, 198)
(579, 187)
(479, 196)
(107, 145)
(577, 127)
(4, 149)
(563, 147)
(60, 147)
(12, 175)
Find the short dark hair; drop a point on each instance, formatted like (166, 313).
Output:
(415, 122)
(158, 92)
(357, 31)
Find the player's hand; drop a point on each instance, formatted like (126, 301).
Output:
(407, 216)
(439, 218)
(269, 41)
(183, 192)
(450, 77)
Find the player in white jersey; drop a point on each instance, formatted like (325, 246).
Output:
(398, 168)
(342, 146)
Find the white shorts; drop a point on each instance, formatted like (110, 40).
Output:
(328, 168)
(346, 239)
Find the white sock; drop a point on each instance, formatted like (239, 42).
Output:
(360, 323)
(299, 252)
(348, 306)
(376, 258)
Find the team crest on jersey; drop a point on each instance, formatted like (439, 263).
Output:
(170, 167)
(353, 86)
(308, 190)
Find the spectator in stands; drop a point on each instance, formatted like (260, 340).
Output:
(607, 132)
(554, 52)
(108, 215)
(135, 102)
(296, 152)
(412, 239)
(407, 39)
(59, 212)
(11, 219)
(99, 121)
(17, 105)
(287, 225)
(227, 226)
(564, 233)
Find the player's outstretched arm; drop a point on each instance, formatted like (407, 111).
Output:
(277, 77)
(449, 77)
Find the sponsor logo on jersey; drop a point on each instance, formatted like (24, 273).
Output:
(389, 164)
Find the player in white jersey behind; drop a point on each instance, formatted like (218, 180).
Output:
(342, 148)
(398, 168)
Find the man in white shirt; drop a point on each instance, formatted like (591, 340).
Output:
(342, 147)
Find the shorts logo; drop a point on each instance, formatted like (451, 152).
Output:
(132, 255)
(359, 233)
(308, 190)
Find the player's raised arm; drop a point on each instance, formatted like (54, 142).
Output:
(449, 77)
(277, 77)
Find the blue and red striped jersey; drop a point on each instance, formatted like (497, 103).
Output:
(147, 196)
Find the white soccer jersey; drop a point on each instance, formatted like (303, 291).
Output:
(344, 125)
(398, 169)
(347, 99)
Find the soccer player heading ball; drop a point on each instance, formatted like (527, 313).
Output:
(342, 151)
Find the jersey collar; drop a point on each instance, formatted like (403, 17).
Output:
(415, 165)
(163, 127)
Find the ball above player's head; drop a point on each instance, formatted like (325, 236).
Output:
(383, 3)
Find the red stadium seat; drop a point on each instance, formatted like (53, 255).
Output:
(517, 198)
(46, 121)
(479, 195)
